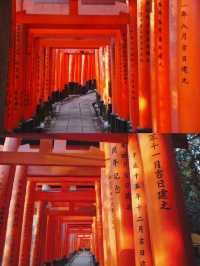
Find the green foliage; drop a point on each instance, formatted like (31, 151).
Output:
(188, 161)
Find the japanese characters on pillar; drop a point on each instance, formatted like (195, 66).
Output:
(124, 91)
(184, 44)
(133, 64)
(120, 172)
(122, 204)
(164, 202)
(109, 230)
(163, 98)
(143, 256)
(143, 25)
(173, 50)
(19, 84)
(188, 65)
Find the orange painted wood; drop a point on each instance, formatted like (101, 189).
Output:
(73, 7)
(143, 254)
(164, 202)
(188, 66)
(9, 117)
(72, 20)
(6, 180)
(47, 74)
(133, 65)
(123, 90)
(15, 216)
(144, 74)
(65, 196)
(108, 220)
(19, 81)
(36, 255)
(26, 236)
(122, 204)
(99, 226)
(162, 90)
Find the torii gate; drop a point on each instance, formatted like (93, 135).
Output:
(139, 215)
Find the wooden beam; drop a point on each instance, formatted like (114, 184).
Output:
(74, 33)
(77, 220)
(65, 196)
(81, 44)
(33, 158)
(71, 213)
(22, 17)
(109, 137)
(53, 179)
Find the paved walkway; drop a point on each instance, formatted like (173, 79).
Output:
(83, 259)
(76, 116)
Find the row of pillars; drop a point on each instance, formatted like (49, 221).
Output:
(139, 210)
(140, 217)
(29, 235)
(36, 71)
(142, 205)
(153, 68)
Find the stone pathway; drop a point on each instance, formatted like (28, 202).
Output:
(82, 259)
(76, 116)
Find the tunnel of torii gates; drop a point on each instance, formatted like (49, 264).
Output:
(145, 60)
(122, 199)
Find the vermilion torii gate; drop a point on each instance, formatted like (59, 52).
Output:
(123, 200)
(145, 59)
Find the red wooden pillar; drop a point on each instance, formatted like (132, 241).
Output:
(46, 73)
(6, 181)
(99, 222)
(143, 255)
(122, 204)
(188, 65)
(26, 235)
(73, 7)
(162, 110)
(29, 101)
(14, 224)
(53, 69)
(97, 74)
(116, 86)
(109, 230)
(19, 80)
(86, 66)
(76, 67)
(133, 65)
(94, 238)
(82, 69)
(36, 256)
(170, 239)
(124, 90)
(41, 68)
(56, 69)
(60, 69)
(9, 117)
(79, 68)
(144, 77)
(63, 70)
(50, 243)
